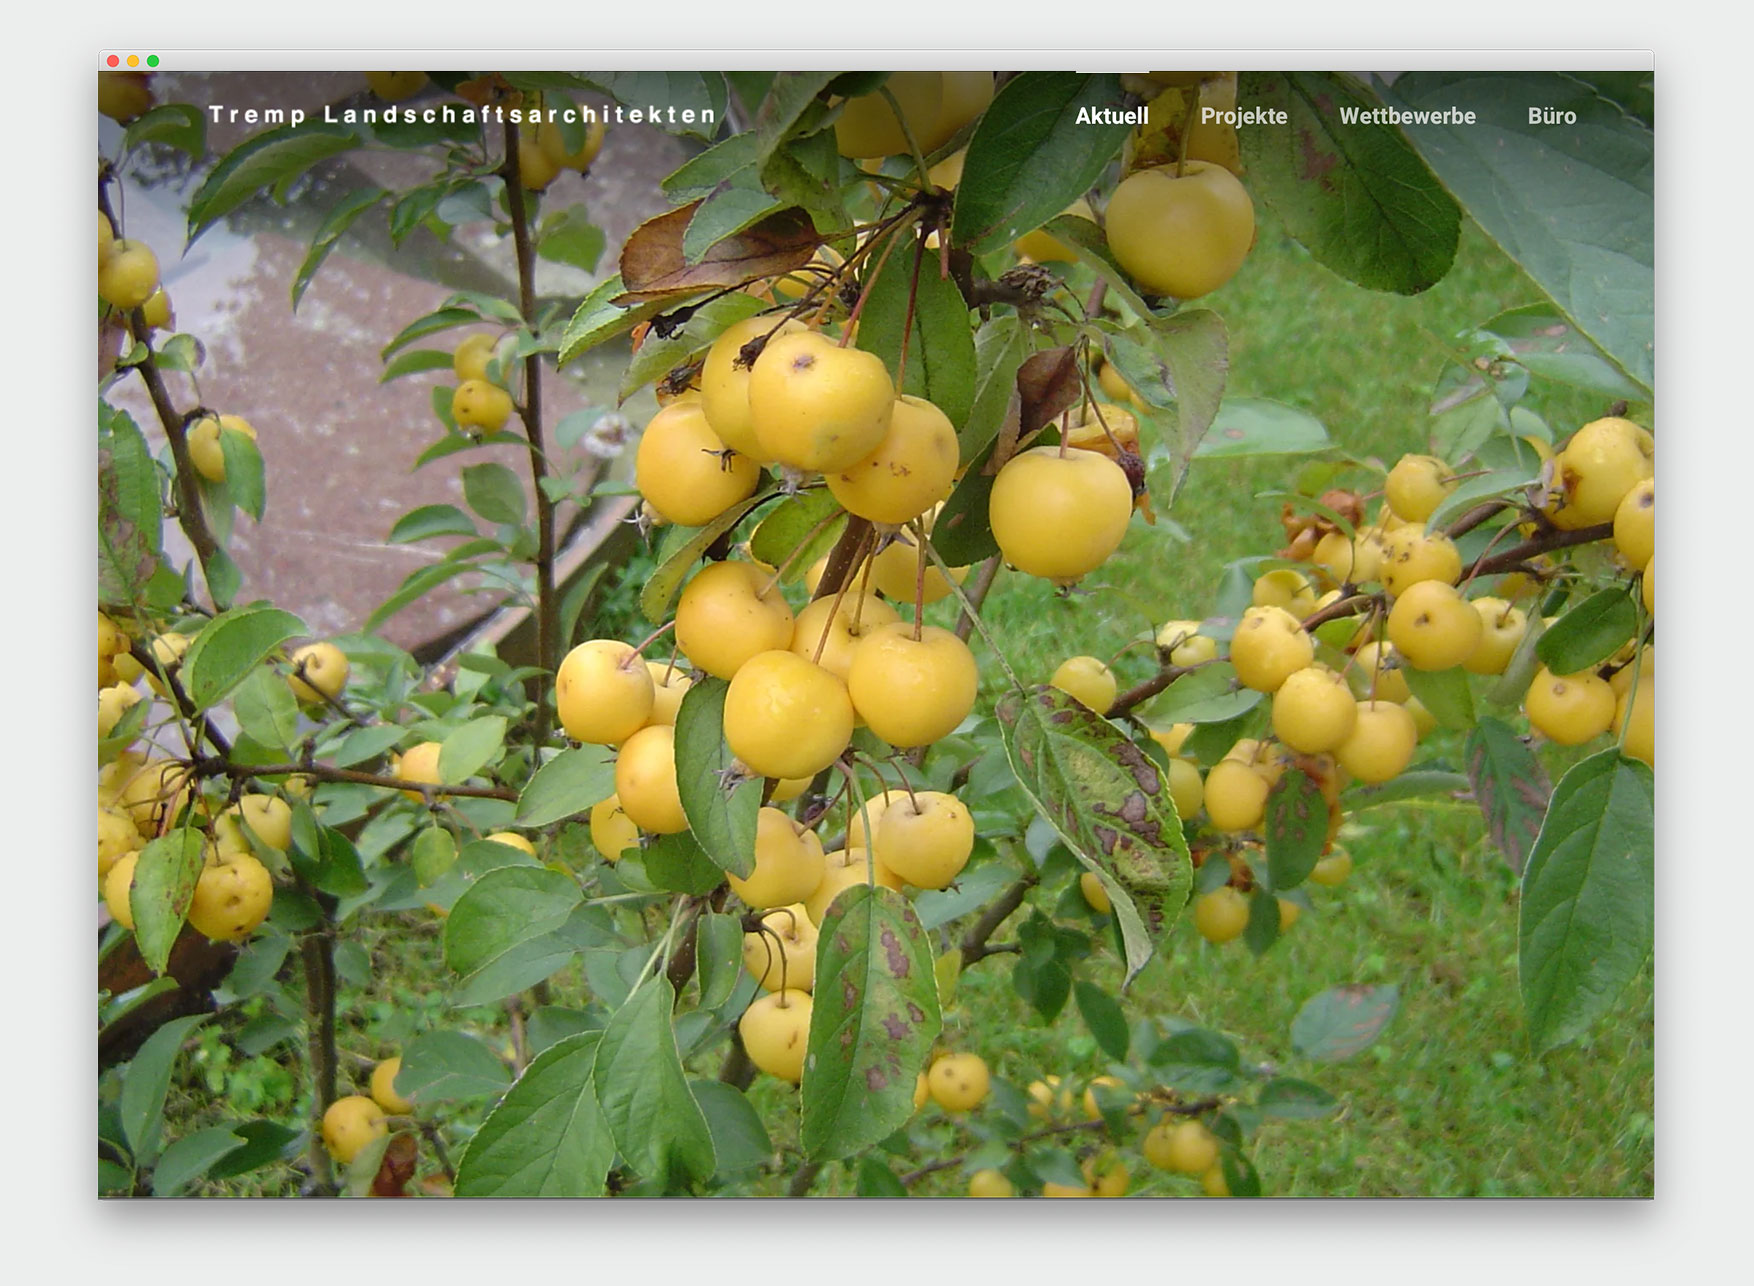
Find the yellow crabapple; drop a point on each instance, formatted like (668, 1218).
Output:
(1332, 870)
(1502, 630)
(349, 1124)
(469, 359)
(786, 716)
(613, 832)
(553, 144)
(118, 884)
(1635, 533)
(1599, 464)
(1433, 627)
(724, 383)
(479, 405)
(1569, 709)
(990, 1183)
(1221, 915)
(685, 471)
(268, 817)
(511, 839)
(926, 838)
(319, 671)
(231, 899)
(1376, 666)
(1059, 517)
(1086, 680)
(1417, 485)
(868, 126)
(1641, 732)
(1180, 232)
(670, 683)
(912, 691)
(775, 1030)
(912, 468)
(1181, 1147)
(205, 451)
(828, 630)
(128, 275)
(1269, 646)
(958, 1082)
(113, 703)
(603, 692)
(1381, 743)
(789, 863)
(1411, 555)
(782, 954)
(728, 612)
(816, 406)
(1235, 796)
(1185, 644)
(842, 869)
(1313, 710)
(1095, 896)
(383, 1088)
(645, 780)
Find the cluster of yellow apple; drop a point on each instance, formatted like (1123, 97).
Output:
(354, 1120)
(1176, 1143)
(480, 402)
(124, 95)
(542, 155)
(127, 276)
(141, 795)
(1358, 720)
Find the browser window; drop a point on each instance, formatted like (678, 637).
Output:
(1008, 628)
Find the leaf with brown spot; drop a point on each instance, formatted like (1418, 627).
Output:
(1511, 786)
(654, 266)
(1297, 828)
(1109, 803)
(872, 1028)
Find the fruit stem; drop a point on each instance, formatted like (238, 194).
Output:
(907, 322)
(865, 538)
(1181, 151)
(973, 615)
(801, 546)
(919, 530)
(907, 132)
(530, 412)
(650, 639)
(846, 334)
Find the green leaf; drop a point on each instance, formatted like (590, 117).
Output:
(1030, 158)
(1343, 1021)
(1548, 345)
(493, 491)
(698, 176)
(568, 236)
(230, 646)
(130, 511)
(739, 1138)
(1248, 426)
(699, 98)
(243, 472)
(1354, 194)
(1572, 205)
(597, 321)
(779, 538)
(1208, 695)
(1446, 693)
(547, 1137)
(504, 909)
(1178, 366)
(1409, 785)
(190, 1157)
(872, 1024)
(790, 95)
(470, 748)
(336, 869)
(727, 210)
(678, 863)
(659, 355)
(718, 954)
(164, 881)
(1297, 829)
(262, 162)
(875, 1179)
(567, 785)
(263, 1142)
(1109, 802)
(1587, 922)
(1510, 784)
(661, 589)
(1589, 633)
(1103, 1015)
(1086, 241)
(940, 343)
(656, 1121)
(442, 319)
(432, 520)
(723, 821)
(999, 349)
(329, 232)
(417, 361)
(147, 1081)
(178, 125)
(439, 1066)
(266, 710)
(1290, 1099)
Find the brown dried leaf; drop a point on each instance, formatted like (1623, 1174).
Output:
(653, 265)
(397, 1168)
(1047, 384)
